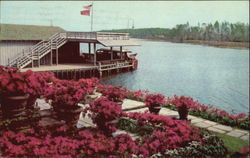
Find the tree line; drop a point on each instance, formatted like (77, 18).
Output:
(224, 31)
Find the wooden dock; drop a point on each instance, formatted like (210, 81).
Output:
(61, 67)
(77, 71)
(61, 55)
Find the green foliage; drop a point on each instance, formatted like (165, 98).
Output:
(131, 125)
(224, 31)
(233, 144)
(212, 146)
(243, 123)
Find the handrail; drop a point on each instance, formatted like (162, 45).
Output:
(42, 47)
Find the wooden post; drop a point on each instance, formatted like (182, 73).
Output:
(95, 54)
(38, 61)
(89, 48)
(51, 55)
(32, 64)
(121, 52)
(56, 56)
(111, 50)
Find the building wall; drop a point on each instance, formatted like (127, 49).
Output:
(69, 53)
(9, 49)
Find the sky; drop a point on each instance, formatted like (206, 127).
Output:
(122, 14)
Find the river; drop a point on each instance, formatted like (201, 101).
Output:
(215, 76)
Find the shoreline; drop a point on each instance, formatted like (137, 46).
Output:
(219, 44)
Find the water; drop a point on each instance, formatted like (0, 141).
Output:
(215, 76)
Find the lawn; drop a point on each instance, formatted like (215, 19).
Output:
(233, 144)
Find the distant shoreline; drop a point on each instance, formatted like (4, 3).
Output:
(220, 44)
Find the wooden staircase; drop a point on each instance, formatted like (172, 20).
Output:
(36, 52)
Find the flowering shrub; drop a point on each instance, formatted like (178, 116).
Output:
(88, 84)
(211, 146)
(182, 101)
(39, 82)
(214, 114)
(164, 134)
(63, 92)
(113, 93)
(89, 142)
(240, 120)
(137, 95)
(102, 112)
(153, 100)
(14, 82)
(85, 143)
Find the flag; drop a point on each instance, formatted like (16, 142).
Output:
(85, 12)
(87, 7)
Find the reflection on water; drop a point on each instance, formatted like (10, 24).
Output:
(217, 76)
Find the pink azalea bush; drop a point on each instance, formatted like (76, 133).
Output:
(182, 101)
(166, 134)
(240, 120)
(88, 84)
(85, 144)
(39, 82)
(113, 93)
(137, 95)
(103, 111)
(89, 142)
(13, 82)
(64, 92)
(153, 100)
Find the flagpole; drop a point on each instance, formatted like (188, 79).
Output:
(92, 17)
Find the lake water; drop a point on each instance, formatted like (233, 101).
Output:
(215, 76)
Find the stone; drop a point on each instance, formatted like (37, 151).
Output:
(210, 122)
(42, 104)
(139, 110)
(215, 130)
(245, 137)
(173, 113)
(83, 123)
(192, 117)
(196, 120)
(49, 121)
(119, 132)
(202, 125)
(235, 134)
(241, 131)
(131, 104)
(223, 127)
(165, 111)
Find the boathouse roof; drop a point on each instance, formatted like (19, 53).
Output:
(27, 32)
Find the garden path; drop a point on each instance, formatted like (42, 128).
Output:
(136, 106)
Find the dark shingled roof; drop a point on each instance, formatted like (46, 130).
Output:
(27, 32)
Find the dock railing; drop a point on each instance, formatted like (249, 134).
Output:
(43, 47)
(95, 35)
(114, 65)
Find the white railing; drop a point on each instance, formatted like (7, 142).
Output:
(57, 40)
(114, 65)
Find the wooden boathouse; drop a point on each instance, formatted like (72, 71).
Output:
(60, 54)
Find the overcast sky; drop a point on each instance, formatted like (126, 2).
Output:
(121, 14)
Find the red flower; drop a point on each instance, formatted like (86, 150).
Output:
(183, 101)
(113, 93)
(154, 100)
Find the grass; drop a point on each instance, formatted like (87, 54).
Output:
(233, 144)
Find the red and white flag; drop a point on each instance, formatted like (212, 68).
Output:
(85, 12)
(87, 7)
